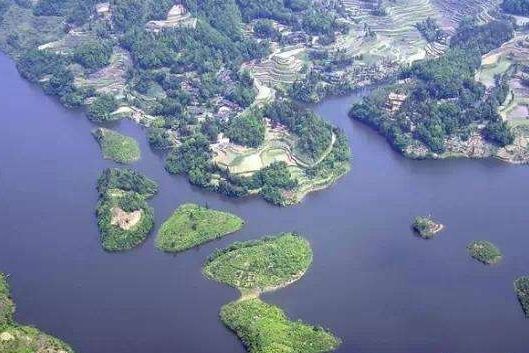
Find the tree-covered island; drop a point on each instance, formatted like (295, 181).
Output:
(259, 266)
(426, 227)
(117, 147)
(485, 252)
(123, 215)
(192, 225)
(264, 328)
(521, 287)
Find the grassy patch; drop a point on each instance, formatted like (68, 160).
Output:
(23, 339)
(264, 328)
(484, 251)
(426, 227)
(258, 265)
(521, 286)
(192, 225)
(117, 147)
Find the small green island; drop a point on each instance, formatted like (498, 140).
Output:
(426, 227)
(192, 225)
(117, 147)
(485, 252)
(264, 265)
(123, 215)
(265, 328)
(15, 338)
(521, 286)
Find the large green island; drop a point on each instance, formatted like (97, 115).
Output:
(15, 338)
(259, 266)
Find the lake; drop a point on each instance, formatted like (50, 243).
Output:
(372, 282)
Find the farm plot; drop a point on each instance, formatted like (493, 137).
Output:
(453, 11)
(278, 70)
(506, 60)
(110, 79)
(396, 35)
(278, 147)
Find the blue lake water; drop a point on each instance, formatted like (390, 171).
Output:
(373, 283)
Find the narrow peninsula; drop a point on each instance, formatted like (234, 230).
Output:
(192, 225)
(15, 338)
(265, 328)
(123, 215)
(259, 266)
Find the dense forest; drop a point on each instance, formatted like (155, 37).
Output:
(443, 99)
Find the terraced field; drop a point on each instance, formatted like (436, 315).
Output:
(505, 61)
(453, 11)
(279, 146)
(110, 79)
(396, 35)
(279, 69)
(245, 161)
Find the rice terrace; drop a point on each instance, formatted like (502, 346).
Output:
(264, 176)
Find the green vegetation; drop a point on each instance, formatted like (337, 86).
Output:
(430, 30)
(117, 147)
(264, 265)
(192, 225)
(93, 55)
(516, 7)
(126, 180)
(123, 215)
(314, 134)
(192, 157)
(441, 99)
(23, 339)
(124, 219)
(485, 252)
(188, 74)
(426, 227)
(247, 129)
(261, 265)
(50, 70)
(7, 307)
(264, 328)
(521, 286)
(102, 108)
